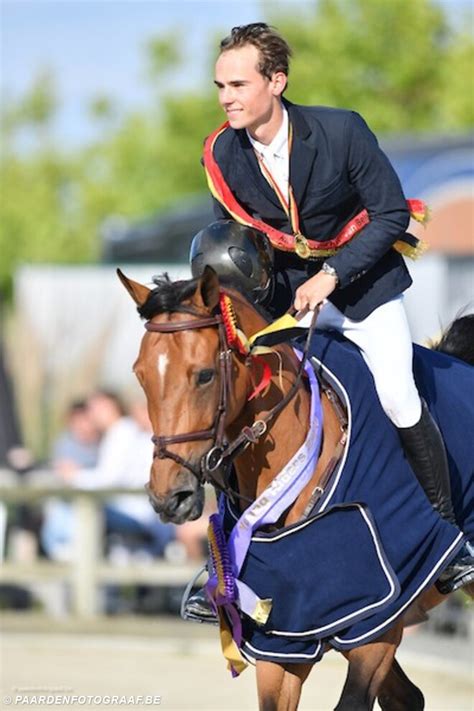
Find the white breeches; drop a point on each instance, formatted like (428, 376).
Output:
(385, 341)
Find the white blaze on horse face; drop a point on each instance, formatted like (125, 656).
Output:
(163, 362)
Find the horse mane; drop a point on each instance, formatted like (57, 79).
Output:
(168, 297)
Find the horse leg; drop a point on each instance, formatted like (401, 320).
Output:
(398, 693)
(368, 667)
(279, 685)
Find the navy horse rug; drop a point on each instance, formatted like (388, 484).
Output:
(374, 543)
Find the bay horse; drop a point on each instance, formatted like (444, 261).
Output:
(180, 368)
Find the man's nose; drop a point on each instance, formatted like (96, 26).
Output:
(226, 95)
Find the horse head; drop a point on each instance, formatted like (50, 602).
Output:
(181, 368)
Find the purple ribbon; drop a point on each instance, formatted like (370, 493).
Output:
(266, 509)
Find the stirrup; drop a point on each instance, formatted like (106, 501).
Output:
(459, 573)
(198, 610)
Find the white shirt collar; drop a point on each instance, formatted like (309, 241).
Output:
(279, 142)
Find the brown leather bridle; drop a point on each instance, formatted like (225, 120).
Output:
(216, 432)
(215, 464)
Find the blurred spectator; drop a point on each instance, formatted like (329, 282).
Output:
(76, 446)
(122, 459)
(79, 442)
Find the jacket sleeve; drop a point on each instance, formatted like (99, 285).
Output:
(374, 178)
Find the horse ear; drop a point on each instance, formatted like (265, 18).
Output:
(138, 292)
(209, 288)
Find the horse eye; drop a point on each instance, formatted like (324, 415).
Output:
(205, 376)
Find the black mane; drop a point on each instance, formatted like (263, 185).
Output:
(167, 296)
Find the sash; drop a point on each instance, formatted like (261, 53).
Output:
(306, 248)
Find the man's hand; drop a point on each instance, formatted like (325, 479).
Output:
(315, 290)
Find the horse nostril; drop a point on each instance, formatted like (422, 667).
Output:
(176, 499)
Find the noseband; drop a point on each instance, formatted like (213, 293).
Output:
(215, 464)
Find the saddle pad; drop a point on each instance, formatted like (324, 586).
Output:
(315, 572)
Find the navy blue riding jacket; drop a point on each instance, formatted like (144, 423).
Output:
(336, 170)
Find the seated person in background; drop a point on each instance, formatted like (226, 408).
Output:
(79, 442)
(76, 446)
(123, 461)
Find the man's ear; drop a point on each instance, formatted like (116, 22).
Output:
(208, 288)
(138, 292)
(279, 81)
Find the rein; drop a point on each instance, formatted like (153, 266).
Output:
(215, 465)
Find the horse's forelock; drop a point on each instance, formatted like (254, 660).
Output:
(167, 296)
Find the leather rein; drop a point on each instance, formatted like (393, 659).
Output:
(215, 465)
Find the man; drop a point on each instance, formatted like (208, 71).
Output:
(304, 175)
(123, 459)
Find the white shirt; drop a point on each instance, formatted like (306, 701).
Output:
(275, 155)
(124, 460)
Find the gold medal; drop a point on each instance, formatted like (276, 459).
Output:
(302, 247)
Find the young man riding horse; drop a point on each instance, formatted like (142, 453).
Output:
(315, 181)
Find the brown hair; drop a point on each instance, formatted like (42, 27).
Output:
(274, 51)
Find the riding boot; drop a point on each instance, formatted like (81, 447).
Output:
(426, 453)
(198, 608)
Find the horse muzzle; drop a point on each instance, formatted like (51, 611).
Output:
(184, 503)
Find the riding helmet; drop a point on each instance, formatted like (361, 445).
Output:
(241, 256)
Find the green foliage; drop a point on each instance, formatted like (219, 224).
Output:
(384, 59)
(102, 108)
(37, 108)
(399, 63)
(163, 54)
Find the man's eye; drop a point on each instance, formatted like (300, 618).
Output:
(205, 376)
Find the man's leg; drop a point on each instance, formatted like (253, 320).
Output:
(385, 342)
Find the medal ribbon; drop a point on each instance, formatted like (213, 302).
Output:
(289, 205)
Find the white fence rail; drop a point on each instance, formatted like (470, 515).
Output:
(88, 569)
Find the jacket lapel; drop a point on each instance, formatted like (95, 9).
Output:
(252, 168)
(303, 152)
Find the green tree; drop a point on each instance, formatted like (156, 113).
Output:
(384, 59)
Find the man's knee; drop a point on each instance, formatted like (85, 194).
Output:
(402, 405)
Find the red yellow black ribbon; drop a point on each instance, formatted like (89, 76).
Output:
(305, 248)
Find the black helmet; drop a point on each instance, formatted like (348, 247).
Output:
(241, 256)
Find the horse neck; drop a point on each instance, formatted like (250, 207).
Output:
(261, 462)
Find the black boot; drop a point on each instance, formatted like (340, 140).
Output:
(426, 453)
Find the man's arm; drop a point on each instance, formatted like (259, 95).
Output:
(374, 178)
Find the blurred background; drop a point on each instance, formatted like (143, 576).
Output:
(104, 108)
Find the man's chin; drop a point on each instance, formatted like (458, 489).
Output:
(237, 121)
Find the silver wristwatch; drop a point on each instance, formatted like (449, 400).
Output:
(327, 269)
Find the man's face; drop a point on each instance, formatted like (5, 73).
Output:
(247, 97)
(103, 412)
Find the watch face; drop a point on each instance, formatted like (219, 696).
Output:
(327, 269)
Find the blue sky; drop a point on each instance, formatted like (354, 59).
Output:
(95, 46)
